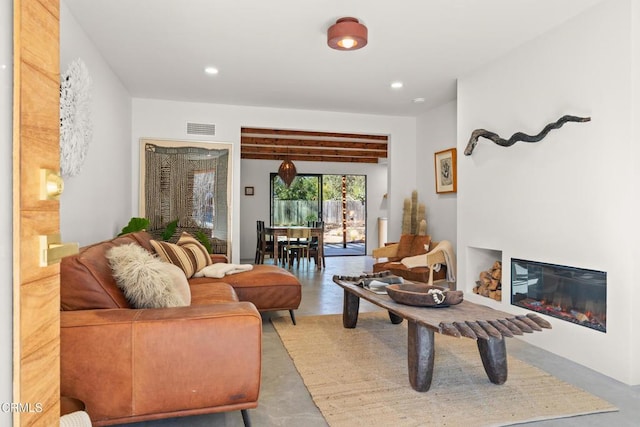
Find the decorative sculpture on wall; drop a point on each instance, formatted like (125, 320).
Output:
(75, 117)
(518, 136)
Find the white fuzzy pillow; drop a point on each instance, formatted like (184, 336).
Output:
(143, 278)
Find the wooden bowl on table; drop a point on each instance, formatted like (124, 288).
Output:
(422, 295)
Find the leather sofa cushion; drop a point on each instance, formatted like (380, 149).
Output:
(269, 287)
(86, 279)
(211, 293)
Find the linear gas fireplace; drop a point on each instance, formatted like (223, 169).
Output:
(573, 294)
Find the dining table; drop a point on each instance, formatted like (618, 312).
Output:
(277, 232)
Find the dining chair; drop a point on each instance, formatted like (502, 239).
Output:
(297, 245)
(264, 246)
(313, 247)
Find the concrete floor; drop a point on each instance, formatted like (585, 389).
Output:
(285, 401)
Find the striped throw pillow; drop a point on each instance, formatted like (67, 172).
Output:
(188, 254)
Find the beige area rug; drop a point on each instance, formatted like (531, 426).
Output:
(358, 377)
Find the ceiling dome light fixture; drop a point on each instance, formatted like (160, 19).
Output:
(347, 34)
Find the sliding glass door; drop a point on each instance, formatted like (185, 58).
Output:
(297, 205)
(345, 214)
(338, 200)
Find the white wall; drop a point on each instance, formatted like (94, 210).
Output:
(96, 203)
(256, 173)
(567, 199)
(6, 205)
(436, 131)
(167, 120)
(635, 158)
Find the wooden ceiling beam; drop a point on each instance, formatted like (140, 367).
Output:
(276, 144)
(259, 131)
(252, 140)
(283, 151)
(309, 158)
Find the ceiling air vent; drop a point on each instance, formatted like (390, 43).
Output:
(201, 129)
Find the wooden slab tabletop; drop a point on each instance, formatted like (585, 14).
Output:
(465, 319)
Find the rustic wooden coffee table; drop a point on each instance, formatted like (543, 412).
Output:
(487, 326)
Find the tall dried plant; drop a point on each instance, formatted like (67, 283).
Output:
(422, 218)
(422, 228)
(406, 217)
(413, 214)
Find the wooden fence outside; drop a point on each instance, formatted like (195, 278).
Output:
(300, 212)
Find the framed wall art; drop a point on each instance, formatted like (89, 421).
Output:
(446, 170)
(248, 191)
(191, 182)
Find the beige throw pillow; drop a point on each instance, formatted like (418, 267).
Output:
(143, 278)
(178, 280)
(188, 254)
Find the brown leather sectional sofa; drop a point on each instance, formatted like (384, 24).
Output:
(131, 365)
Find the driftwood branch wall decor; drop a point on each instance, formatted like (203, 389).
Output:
(518, 136)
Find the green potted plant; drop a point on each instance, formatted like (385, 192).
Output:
(135, 224)
(141, 224)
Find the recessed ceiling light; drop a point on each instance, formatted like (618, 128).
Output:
(396, 85)
(211, 70)
(418, 100)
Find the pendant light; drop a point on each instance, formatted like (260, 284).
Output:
(287, 172)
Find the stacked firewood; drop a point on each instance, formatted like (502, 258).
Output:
(490, 283)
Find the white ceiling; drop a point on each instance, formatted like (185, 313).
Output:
(274, 53)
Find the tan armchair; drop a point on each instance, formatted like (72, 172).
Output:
(410, 259)
(390, 250)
